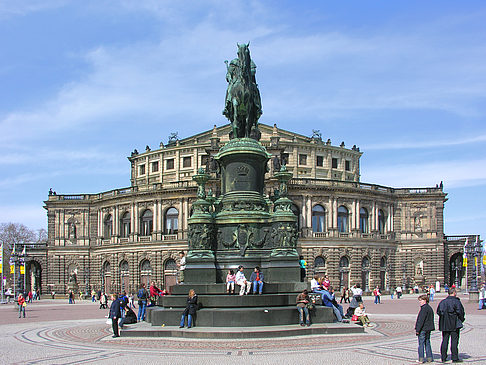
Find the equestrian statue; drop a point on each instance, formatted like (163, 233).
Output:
(243, 106)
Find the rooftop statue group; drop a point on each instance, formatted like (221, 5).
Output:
(243, 106)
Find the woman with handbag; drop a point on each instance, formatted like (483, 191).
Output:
(303, 302)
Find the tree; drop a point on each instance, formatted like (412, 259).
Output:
(12, 234)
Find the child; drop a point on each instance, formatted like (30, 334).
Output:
(230, 282)
(362, 316)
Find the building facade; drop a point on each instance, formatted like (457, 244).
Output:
(351, 231)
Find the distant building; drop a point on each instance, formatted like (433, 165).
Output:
(351, 231)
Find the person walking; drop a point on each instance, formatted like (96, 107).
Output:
(377, 295)
(451, 317)
(22, 304)
(115, 314)
(423, 326)
(431, 293)
(482, 296)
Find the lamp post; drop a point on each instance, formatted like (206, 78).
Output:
(476, 251)
(404, 270)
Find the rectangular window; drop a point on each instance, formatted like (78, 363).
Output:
(141, 170)
(155, 166)
(320, 161)
(334, 163)
(186, 161)
(347, 165)
(302, 159)
(169, 164)
(204, 160)
(285, 159)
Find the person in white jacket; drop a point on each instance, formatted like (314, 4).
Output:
(242, 282)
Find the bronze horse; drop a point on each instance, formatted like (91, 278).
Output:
(243, 103)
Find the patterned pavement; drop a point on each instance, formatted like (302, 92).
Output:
(61, 340)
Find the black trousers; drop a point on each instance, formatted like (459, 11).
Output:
(454, 336)
(114, 325)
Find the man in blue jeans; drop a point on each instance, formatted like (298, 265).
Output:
(142, 302)
(423, 326)
(257, 280)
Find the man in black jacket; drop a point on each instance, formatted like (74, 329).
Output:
(115, 314)
(451, 316)
(423, 326)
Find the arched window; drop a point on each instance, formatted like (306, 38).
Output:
(146, 223)
(342, 219)
(365, 263)
(381, 222)
(365, 273)
(318, 215)
(145, 272)
(125, 225)
(363, 220)
(108, 226)
(170, 265)
(319, 263)
(106, 277)
(344, 262)
(383, 262)
(124, 276)
(343, 272)
(171, 221)
(383, 273)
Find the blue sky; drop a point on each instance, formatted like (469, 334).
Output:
(83, 83)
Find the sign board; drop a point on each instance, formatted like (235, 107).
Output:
(484, 259)
(464, 262)
(12, 269)
(22, 269)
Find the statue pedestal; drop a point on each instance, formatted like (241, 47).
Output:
(474, 297)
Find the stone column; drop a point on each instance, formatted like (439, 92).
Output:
(358, 212)
(334, 213)
(309, 211)
(303, 214)
(186, 212)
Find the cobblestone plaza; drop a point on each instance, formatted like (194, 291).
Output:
(51, 335)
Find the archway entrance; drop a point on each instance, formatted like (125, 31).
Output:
(33, 276)
(456, 270)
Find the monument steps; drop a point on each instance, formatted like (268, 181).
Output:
(228, 333)
(231, 301)
(238, 316)
(220, 288)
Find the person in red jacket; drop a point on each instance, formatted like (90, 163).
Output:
(22, 304)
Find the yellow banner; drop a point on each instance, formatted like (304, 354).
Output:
(464, 261)
(1, 268)
(22, 270)
(475, 261)
(12, 269)
(484, 259)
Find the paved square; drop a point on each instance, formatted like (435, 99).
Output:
(55, 332)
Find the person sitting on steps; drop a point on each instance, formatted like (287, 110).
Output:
(257, 280)
(230, 282)
(242, 282)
